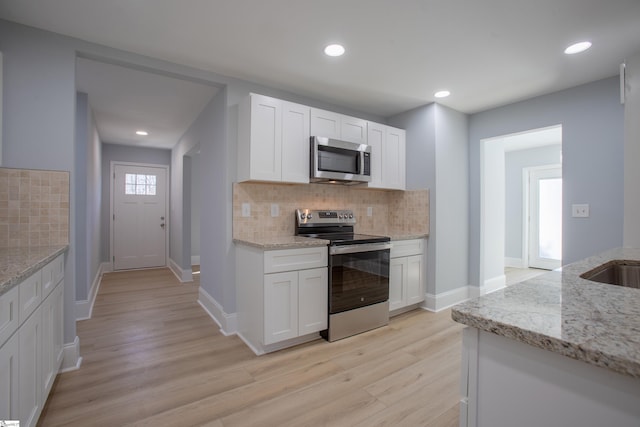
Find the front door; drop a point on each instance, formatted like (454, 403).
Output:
(139, 217)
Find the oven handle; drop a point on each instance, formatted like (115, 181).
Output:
(352, 249)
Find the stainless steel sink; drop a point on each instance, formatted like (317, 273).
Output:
(617, 272)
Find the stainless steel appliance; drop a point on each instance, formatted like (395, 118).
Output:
(358, 272)
(341, 162)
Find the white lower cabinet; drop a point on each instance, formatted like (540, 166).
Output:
(9, 374)
(32, 355)
(295, 304)
(406, 273)
(282, 296)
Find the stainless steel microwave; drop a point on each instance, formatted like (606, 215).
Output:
(341, 162)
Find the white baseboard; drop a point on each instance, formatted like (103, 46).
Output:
(195, 259)
(514, 262)
(182, 274)
(84, 308)
(71, 359)
(446, 299)
(228, 322)
(491, 285)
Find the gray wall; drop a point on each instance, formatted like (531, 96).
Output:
(437, 159)
(515, 162)
(632, 153)
(592, 127)
(121, 153)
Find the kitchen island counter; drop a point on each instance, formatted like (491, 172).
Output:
(563, 313)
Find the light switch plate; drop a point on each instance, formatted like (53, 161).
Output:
(580, 211)
(246, 210)
(275, 210)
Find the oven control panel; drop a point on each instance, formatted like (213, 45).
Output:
(313, 216)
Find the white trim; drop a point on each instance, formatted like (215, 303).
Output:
(84, 308)
(71, 359)
(493, 284)
(228, 322)
(446, 299)
(167, 221)
(195, 259)
(182, 274)
(514, 262)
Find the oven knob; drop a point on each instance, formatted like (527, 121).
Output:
(309, 216)
(303, 215)
(350, 216)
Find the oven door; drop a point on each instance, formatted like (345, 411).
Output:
(358, 276)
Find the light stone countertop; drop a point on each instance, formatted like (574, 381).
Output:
(561, 312)
(17, 264)
(292, 242)
(282, 242)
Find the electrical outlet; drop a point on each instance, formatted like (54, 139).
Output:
(246, 210)
(369, 211)
(275, 210)
(580, 211)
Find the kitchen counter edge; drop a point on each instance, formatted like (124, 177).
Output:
(17, 264)
(563, 313)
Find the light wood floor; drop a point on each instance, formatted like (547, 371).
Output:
(152, 356)
(516, 275)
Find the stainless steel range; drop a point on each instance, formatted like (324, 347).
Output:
(358, 272)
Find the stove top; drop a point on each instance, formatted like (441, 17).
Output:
(336, 226)
(338, 239)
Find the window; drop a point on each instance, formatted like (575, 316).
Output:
(139, 184)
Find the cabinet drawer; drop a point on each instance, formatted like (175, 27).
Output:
(401, 248)
(52, 273)
(9, 320)
(30, 295)
(295, 259)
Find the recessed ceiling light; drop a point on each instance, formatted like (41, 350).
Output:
(577, 48)
(442, 94)
(142, 132)
(334, 50)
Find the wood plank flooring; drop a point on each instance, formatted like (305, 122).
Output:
(152, 356)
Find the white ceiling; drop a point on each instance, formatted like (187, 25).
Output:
(124, 100)
(486, 52)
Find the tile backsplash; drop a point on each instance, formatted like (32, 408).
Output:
(394, 212)
(34, 207)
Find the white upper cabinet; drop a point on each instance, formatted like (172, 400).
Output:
(338, 126)
(273, 140)
(388, 157)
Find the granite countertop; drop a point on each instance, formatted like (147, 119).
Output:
(291, 242)
(282, 242)
(561, 312)
(17, 264)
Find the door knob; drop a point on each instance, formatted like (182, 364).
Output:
(162, 225)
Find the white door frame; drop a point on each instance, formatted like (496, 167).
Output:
(112, 172)
(526, 208)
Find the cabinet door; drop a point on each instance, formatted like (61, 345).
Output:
(353, 129)
(415, 280)
(394, 163)
(266, 138)
(325, 123)
(9, 317)
(376, 135)
(280, 306)
(30, 295)
(295, 142)
(313, 297)
(397, 282)
(30, 378)
(51, 337)
(9, 371)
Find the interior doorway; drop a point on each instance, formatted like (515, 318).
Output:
(501, 246)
